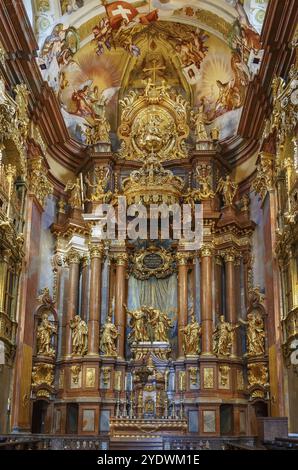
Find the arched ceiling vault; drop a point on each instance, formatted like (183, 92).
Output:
(211, 39)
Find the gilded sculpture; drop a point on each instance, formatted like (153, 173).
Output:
(255, 334)
(148, 324)
(203, 177)
(42, 374)
(191, 337)
(45, 332)
(160, 324)
(257, 374)
(99, 187)
(228, 188)
(223, 337)
(109, 335)
(75, 190)
(153, 121)
(79, 332)
(197, 120)
(137, 324)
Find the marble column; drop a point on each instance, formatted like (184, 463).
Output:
(120, 300)
(4, 261)
(182, 260)
(230, 292)
(85, 287)
(73, 292)
(96, 255)
(206, 301)
(218, 307)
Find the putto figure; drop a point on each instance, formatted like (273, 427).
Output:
(79, 331)
(109, 335)
(223, 337)
(45, 332)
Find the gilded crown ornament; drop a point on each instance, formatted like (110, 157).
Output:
(152, 184)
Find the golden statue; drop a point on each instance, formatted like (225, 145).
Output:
(191, 337)
(100, 186)
(109, 335)
(197, 120)
(79, 336)
(45, 332)
(203, 178)
(255, 334)
(223, 337)
(228, 189)
(74, 187)
(138, 325)
(100, 132)
(88, 136)
(161, 324)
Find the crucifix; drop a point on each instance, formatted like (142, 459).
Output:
(154, 69)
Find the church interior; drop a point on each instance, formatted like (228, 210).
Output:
(115, 342)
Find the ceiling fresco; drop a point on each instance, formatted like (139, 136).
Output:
(92, 52)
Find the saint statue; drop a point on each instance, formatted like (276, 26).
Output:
(204, 181)
(255, 334)
(197, 120)
(160, 323)
(109, 335)
(79, 332)
(228, 189)
(45, 332)
(138, 325)
(75, 190)
(99, 188)
(101, 130)
(191, 337)
(223, 337)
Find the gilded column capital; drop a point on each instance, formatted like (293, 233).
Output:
(182, 258)
(120, 259)
(73, 256)
(85, 260)
(96, 251)
(230, 255)
(206, 250)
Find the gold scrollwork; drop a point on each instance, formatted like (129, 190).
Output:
(152, 261)
(153, 122)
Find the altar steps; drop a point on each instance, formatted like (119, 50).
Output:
(133, 443)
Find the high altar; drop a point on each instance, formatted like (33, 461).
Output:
(150, 341)
(110, 330)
